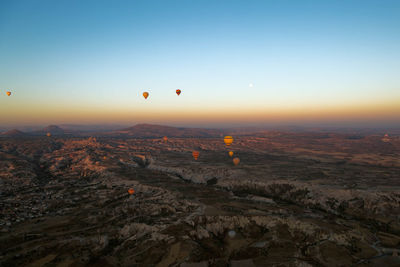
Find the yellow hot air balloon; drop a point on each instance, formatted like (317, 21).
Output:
(228, 140)
(48, 134)
(236, 161)
(195, 154)
(230, 153)
(146, 95)
(165, 139)
(8, 93)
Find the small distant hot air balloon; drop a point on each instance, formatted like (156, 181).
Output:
(165, 139)
(178, 92)
(230, 153)
(228, 140)
(8, 93)
(386, 138)
(104, 158)
(195, 154)
(146, 95)
(231, 233)
(236, 161)
(131, 191)
(48, 134)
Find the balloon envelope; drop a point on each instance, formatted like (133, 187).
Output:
(236, 161)
(228, 140)
(231, 234)
(178, 92)
(8, 93)
(195, 154)
(131, 191)
(230, 153)
(146, 95)
(48, 134)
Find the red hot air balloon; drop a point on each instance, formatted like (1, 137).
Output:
(178, 92)
(131, 191)
(195, 154)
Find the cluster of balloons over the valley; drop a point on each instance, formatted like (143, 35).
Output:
(227, 139)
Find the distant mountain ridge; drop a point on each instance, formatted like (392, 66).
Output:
(53, 130)
(14, 133)
(157, 131)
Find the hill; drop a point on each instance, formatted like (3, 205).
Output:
(53, 129)
(157, 131)
(14, 133)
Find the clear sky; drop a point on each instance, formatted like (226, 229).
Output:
(309, 62)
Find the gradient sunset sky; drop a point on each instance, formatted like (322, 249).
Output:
(325, 63)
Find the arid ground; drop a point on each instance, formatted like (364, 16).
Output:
(295, 199)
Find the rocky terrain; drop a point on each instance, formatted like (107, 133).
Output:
(296, 199)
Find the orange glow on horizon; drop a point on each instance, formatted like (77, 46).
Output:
(35, 114)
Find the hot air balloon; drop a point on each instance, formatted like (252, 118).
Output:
(146, 95)
(131, 191)
(230, 153)
(48, 134)
(386, 138)
(195, 154)
(228, 140)
(165, 139)
(231, 233)
(8, 93)
(178, 92)
(236, 161)
(104, 158)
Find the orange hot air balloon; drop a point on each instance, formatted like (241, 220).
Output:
(48, 134)
(165, 139)
(228, 140)
(230, 153)
(146, 95)
(236, 161)
(104, 157)
(178, 92)
(131, 191)
(195, 154)
(8, 93)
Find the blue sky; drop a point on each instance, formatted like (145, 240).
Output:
(74, 61)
